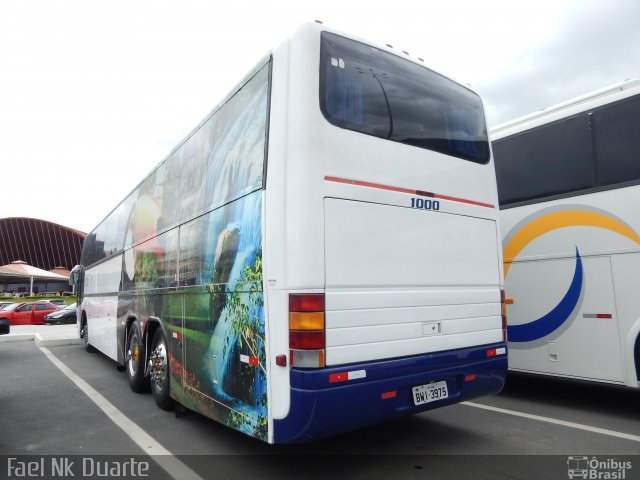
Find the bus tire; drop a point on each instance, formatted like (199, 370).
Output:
(159, 371)
(134, 360)
(84, 336)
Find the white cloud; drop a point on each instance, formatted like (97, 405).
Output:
(94, 94)
(597, 44)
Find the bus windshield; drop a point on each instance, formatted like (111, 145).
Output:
(371, 91)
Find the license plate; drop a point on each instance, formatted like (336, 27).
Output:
(430, 392)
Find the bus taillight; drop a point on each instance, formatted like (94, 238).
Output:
(306, 330)
(306, 340)
(306, 302)
(503, 303)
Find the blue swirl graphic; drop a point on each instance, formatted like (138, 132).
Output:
(550, 322)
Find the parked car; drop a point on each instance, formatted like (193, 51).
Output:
(66, 315)
(31, 313)
(57, 301)
(9, 307)
(5, 325)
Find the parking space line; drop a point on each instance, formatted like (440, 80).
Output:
(146, 442)
(564, 423)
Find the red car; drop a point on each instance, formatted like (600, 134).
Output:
(31, 313)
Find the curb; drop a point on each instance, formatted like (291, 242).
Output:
(39, 341)
(18, 337)
(55, 342)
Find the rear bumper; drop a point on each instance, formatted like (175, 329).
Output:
(56, 321)
(320, 408)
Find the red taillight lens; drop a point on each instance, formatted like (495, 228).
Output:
(306, 330)
(306, 340)
(306, 302)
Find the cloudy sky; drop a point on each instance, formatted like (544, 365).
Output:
(94, 94)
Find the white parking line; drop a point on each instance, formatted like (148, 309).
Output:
(564, 423)
(146, 442)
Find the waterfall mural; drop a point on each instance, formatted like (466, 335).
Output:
(224, 329)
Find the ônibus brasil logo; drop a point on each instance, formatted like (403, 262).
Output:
(597, 469)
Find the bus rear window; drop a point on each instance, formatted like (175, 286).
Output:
(371, 91)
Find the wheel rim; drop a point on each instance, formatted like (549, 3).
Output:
(83, 333)
(133, 354)
(158, 365)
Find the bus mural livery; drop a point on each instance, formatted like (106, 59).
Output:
(219, 289)
(320, 254)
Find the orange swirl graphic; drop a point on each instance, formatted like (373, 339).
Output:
(555, 220)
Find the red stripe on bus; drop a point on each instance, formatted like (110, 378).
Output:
(371, 185)
(420, 193)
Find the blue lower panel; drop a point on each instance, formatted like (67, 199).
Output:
(320, 408)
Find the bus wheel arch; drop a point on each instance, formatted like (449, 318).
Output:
(150, 328)
(631, 354)
(636, 357)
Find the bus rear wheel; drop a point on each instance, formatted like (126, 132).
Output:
(134, 360)
(159, 371)
(84, 336)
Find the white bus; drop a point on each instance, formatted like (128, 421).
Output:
(321, 253)
(569, 188)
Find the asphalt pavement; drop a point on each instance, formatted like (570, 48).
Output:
(528, 431)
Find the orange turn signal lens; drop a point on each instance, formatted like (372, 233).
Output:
(306, 321)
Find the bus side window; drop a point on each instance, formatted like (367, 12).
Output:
(617, 134)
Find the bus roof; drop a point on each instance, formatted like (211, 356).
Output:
(317, 25)
(562, 109)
